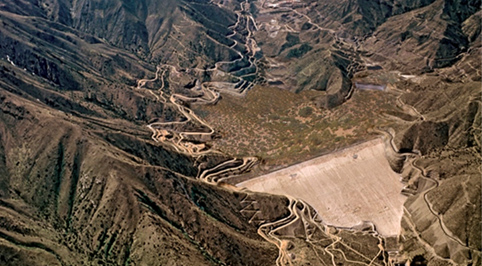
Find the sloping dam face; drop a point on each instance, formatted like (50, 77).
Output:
(346, 187)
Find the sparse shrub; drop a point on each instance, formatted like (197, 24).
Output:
(273, 117)
(305, 111)
(315, 139)
(300, 51)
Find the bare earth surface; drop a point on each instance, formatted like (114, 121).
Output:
(346, 187)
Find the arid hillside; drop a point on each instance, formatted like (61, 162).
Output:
(125, 125)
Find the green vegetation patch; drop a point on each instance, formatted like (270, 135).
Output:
(299, 51)
(305, 111)
(284, 127)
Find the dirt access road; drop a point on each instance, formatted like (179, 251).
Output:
(346, 187)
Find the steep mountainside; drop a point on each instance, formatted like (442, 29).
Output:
(106, 157)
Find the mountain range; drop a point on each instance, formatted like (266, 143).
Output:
(106, 158)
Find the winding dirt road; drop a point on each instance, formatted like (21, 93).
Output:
(276, 232)
(192, 142)
(413, 157)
